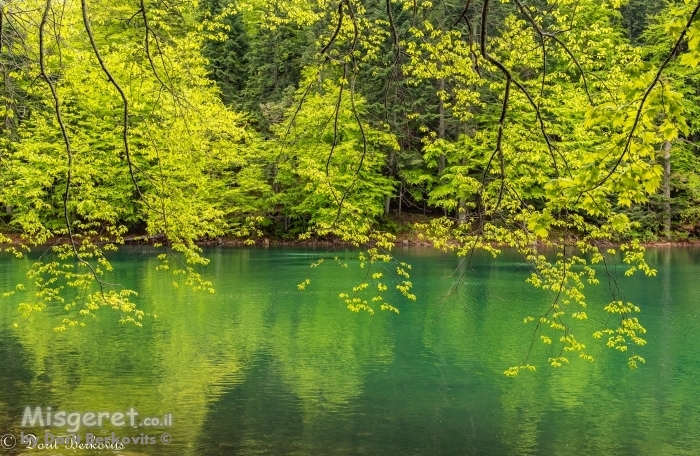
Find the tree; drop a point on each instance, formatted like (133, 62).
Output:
(93, 159)
(227, 54)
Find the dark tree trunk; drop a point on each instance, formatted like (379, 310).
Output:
(441, 127)
(667, 189)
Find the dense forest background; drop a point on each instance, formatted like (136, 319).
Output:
(257, 118)
(416, 89)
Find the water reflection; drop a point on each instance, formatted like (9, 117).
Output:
(260, 367)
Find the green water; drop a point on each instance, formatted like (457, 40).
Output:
(262, 368)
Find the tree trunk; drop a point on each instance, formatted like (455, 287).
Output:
(480, 212)
(462, 211)
(441, 126)
(462, 207)
(667, 189)
(392, 162)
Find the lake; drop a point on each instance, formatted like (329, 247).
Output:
(261, 367)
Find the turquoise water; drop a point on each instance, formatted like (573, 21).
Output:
(260, 367)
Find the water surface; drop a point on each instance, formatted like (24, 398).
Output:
(260, 367)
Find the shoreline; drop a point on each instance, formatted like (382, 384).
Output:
(225, 241)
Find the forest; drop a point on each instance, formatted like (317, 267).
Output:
(572, 124)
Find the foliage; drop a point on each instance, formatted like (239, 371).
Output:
(89, 165)
(514, 125)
